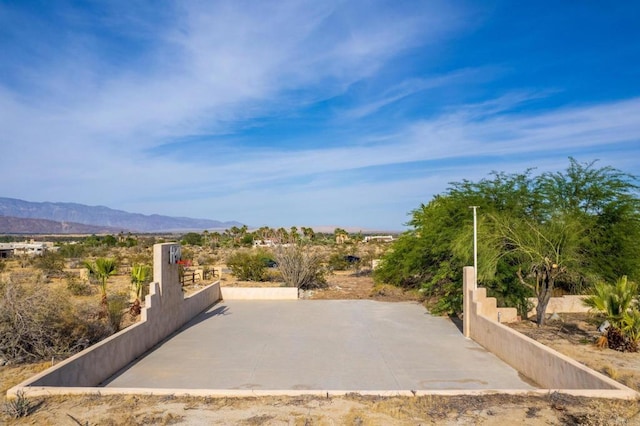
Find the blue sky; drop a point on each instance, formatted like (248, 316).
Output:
(339, 113)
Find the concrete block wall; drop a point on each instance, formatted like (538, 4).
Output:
(166, 310)
(564, 304)
(490, 308)
(259, 293)
(545, 366)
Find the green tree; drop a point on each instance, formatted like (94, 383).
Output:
(192, 239)
(308, 233)
(606, 200)
(101, 270)
(110, 241)
(585, 221)
(543, 252)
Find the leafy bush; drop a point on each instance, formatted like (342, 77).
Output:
(248, 266)
(338, 261)
(300, 267)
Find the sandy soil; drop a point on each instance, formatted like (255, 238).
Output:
(340, 285)
(554, 409)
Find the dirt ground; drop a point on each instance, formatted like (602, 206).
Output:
(553, 409)
(570, 337)
(341, 285)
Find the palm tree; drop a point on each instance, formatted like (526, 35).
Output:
(614, 300)
(140, 275)
(101, 270)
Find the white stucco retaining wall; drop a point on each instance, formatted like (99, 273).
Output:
(259, 293)
(547, 367)
(563, 304)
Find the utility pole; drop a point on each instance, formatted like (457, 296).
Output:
(475, 247)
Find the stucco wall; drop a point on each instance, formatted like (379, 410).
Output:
(566, 304)
(259, 293)
(545, 366)
(166, 310)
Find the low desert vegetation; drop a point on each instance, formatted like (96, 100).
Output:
(40, 323)
(301, 266)
(250, 265)
(55, 305)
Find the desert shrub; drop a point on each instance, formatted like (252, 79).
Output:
(338, 262)
(117, 306)
(300, 267)
(49, 263)
(192, 239)
(248, 265)
(37, 323)
(204, 259)
(72, 251)
(19, 407)
(76, 286)
(140, 255)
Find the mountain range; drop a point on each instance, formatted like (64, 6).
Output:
(67, 216)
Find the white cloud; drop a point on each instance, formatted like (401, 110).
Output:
(84, 130)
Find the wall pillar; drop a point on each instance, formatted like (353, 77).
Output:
(468, 285)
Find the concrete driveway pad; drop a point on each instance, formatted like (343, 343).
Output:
(319, 345)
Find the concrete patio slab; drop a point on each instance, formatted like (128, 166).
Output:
(319, 345)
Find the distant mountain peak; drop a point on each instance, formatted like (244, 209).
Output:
(102, 216)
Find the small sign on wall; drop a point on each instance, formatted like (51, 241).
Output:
(174, 254)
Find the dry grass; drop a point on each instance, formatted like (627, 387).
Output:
(352, 409)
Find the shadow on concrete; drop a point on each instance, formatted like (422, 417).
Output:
(457, 322)
(220, 310)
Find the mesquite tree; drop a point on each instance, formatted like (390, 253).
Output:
(563, 229)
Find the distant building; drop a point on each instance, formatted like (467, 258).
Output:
(264, 243)
(30, 249)
(379, 238)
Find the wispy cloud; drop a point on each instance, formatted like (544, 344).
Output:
(107, 114)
